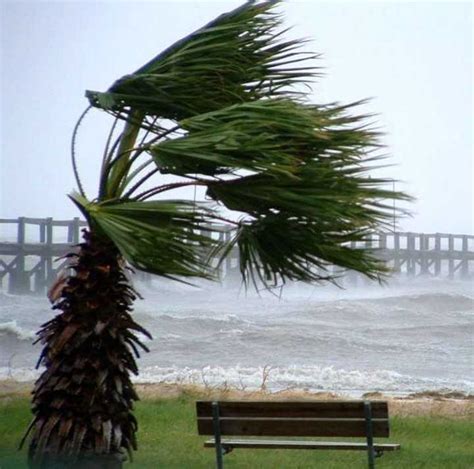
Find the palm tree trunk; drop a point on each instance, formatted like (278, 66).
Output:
(83, 401)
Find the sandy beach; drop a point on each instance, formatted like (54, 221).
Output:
(449, 405)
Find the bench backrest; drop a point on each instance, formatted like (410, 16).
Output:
(264, 418)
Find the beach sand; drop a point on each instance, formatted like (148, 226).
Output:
(426, 404)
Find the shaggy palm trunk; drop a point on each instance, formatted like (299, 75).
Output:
(83, 401)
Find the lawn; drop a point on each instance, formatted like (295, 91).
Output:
(168, 439)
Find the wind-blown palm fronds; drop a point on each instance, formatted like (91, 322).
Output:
(168, 244)
(237, 57)
(227, 109)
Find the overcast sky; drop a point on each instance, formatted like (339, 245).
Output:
(413, 59)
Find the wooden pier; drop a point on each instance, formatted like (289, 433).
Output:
(30, 247)
(29, 263)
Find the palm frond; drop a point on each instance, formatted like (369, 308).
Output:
(237, 57)
(277, 248)
(167, 238)
(318, 191)
(272, 136)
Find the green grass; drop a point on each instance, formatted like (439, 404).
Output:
(168, 439)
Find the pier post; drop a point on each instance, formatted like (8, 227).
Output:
(411, 263)
(49, 252)
(451, 255)
(424, 248)
(19, 280)
(73, 231)
(396, 253)
(437, 254)
(465, 259)
(40, 270)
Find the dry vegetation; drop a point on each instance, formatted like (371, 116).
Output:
(451, 405)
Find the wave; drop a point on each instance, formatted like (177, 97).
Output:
(433, 302)
(311, 378)
(391, 311)
(275, 379)
(11, 329)
(321, 311)
(189, 327)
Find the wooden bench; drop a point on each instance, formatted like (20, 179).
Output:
(294, 419)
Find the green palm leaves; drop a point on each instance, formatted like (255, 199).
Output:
(277, 248)
(237, 57)
(166, 238)
(223, 109)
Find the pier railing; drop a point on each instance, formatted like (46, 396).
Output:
(30, 248)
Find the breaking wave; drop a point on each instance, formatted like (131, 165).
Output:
(12, 330)
(310, 378)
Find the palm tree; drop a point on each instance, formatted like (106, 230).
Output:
(226, 110)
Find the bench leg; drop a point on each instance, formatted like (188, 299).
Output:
(217, 435)
(369, 433)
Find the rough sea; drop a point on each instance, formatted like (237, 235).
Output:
(414, 335)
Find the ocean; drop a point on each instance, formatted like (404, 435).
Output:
(413, 335)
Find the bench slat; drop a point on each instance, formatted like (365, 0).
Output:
(293, 426)
(292, 444)
(323, 409)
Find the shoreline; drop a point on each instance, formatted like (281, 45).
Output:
(421, 404)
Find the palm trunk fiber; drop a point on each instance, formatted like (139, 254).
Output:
(83, 401)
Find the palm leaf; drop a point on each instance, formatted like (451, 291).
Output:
(277, 248)
(271, 136)
(237, 57)
(167, 238)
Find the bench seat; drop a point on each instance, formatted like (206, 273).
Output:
(294, 444)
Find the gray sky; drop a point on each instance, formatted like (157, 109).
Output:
(413, 58)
